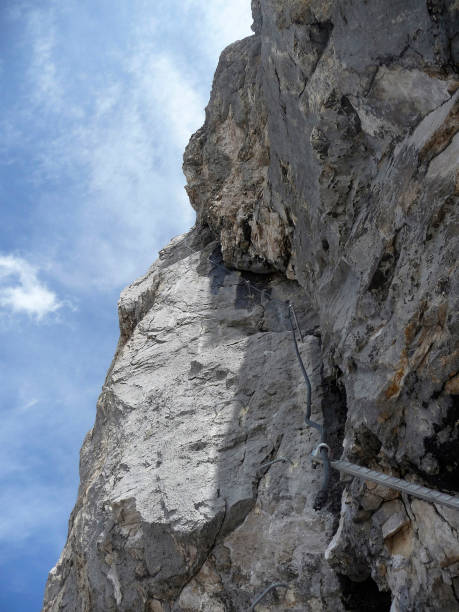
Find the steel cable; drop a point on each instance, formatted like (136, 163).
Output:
(278, 460)
(392, 482)
(250, 285)
(265, 592)
(322, 451)
(322, 496)
(321, 454)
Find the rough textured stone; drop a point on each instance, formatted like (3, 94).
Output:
(203, 389)
(360, 105)
(327, 173)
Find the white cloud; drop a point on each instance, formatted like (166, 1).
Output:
(181, 103)
(115, 126)
(131, 152)
(225, 22)
(21, 291)
(116, 130)
(231, 20)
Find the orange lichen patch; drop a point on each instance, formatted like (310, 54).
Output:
(414, 326)
(422, 332)
(442, 137)
(410, 195)
(452, 386)
(381, 569)
(394, 386)
(449, 561)
(449, 360)
(410, 332)
(442, 312)
(425, 336)
(401, 543)
(423, 349)
(384, 415)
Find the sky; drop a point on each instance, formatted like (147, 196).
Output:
(99, 98)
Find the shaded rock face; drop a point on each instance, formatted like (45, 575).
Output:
(358, 111)
(326, 173)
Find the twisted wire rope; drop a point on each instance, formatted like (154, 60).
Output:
(262, 595)
(321, 454)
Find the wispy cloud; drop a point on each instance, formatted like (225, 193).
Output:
(22, 292)
(222, 21)
(113, 131)
(99, 102)
(181, 103)
(43, 69)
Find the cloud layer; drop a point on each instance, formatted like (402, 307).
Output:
(22, 292)
(108, 113)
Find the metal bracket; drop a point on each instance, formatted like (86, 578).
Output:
(316, 451)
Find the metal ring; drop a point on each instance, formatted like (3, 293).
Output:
(316, 451)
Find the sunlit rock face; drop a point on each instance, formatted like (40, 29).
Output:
(204, 388)
(326, 174)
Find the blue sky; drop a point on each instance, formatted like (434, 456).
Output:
(99, 99)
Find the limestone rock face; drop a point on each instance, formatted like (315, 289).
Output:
(326, 174)
(173, 509)
(358, 110)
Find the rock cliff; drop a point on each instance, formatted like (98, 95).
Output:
(326, 173)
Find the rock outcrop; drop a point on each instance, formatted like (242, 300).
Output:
(326, 174)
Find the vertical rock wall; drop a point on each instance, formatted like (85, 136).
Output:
(358, 108)
(326, 173)
(174, 512)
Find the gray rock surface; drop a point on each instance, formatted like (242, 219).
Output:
(204, 388)
(327, 173)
